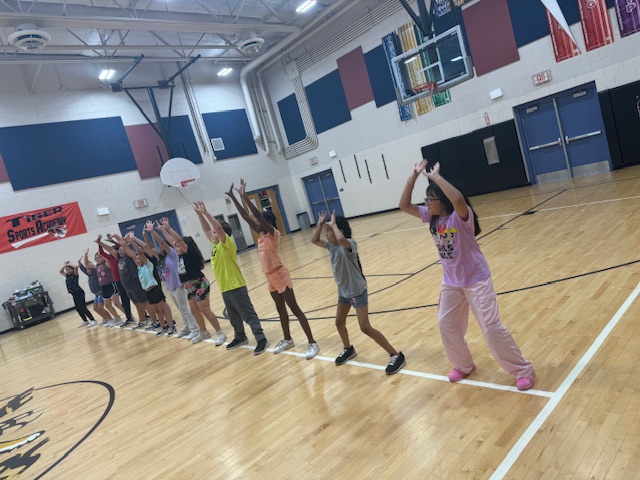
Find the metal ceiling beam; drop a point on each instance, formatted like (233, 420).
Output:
(196, 23)
(30, 58)
(82, 48)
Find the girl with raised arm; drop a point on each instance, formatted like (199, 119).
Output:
(70, 272)
(278, 277)
(467, 280)
(198, 287)
(352, 288)
(169, 261)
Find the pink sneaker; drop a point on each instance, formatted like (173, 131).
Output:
(456, 375)
(525, 383)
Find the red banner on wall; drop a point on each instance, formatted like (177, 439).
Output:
(596, 26)
(563, 46)
(46, 225)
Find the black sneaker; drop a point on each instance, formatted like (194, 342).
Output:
(164, 330)
(237, 342)
(126, 324)
(346, 355)
(396, 362)
(171, 331)
(261, 347)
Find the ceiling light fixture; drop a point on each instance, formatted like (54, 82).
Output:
(306, 5)
(106, 74)
(225, 71)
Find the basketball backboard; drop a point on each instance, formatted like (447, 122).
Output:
(442, 59)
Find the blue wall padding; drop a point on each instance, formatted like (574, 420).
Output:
(291, 119)
(328, 102)
(181, 139)
(529, 18)
(51, 153)
(380, 76)
(234, 129)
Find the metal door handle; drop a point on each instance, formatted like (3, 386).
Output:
(568, 139)
(545, 145)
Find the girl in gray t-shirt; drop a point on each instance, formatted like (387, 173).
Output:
(352, 288)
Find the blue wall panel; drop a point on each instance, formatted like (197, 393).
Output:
(47, 154)
(291, 119)
(380, 76)
(234, 129)
(181, 138)
(328, 102)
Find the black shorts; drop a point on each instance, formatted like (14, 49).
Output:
(155, 295)
(108, 291)
(135, 292)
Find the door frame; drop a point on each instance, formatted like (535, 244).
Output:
(312, 216)
(280, 204)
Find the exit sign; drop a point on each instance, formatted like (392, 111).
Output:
(542, 77)
(140, 203)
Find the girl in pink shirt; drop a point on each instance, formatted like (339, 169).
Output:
(278, 277)
(467, 279)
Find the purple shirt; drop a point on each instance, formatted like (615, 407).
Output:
(463, 264)
(170, 270)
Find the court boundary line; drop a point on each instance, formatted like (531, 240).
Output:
(557, 396)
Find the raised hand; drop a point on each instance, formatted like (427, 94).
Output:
(148, 226)
(230, 191)
(243, 187)
(333, 219)
(435, 170)
(199, 207)
(98, 238)
(322, 217)
(419, 168)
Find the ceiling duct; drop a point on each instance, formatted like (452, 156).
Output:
(28, 37)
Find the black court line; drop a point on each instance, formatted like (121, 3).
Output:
(437, 262)
(506, 292)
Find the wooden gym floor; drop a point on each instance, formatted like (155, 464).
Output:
(121, 404)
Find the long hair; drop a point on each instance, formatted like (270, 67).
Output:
(270, 217)
(343, 225)
(192, 245)
(434, 190)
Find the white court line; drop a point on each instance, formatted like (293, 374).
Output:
(413, 373)
(526, 437)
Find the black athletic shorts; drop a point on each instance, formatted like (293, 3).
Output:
(155, 295)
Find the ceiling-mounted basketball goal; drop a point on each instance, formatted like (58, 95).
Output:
(437, 64)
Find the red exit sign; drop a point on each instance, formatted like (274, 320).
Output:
(542, 77)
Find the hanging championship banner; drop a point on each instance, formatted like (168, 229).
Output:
(563, 46)
(596, 26)
(628, 13)
(45, 225)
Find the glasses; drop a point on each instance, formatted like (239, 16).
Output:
(428, 200)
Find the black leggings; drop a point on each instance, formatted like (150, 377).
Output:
(81, 306)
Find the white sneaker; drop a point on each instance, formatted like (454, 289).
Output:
(193, 334)
(283, 345)
(312, 350)
(105, 322)
(83, 324)
(221, 337)
(184, 333)
(200, 337)
(92, 323)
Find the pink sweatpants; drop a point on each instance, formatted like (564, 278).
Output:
(453, 319)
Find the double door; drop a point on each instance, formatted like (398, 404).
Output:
(563, 135)
(137, 225)
(322, 193)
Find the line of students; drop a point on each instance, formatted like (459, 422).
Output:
(452, 222)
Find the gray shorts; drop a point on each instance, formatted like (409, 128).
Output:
(135, 292)
(359, 301)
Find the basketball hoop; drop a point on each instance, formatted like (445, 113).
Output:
(179, 172)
